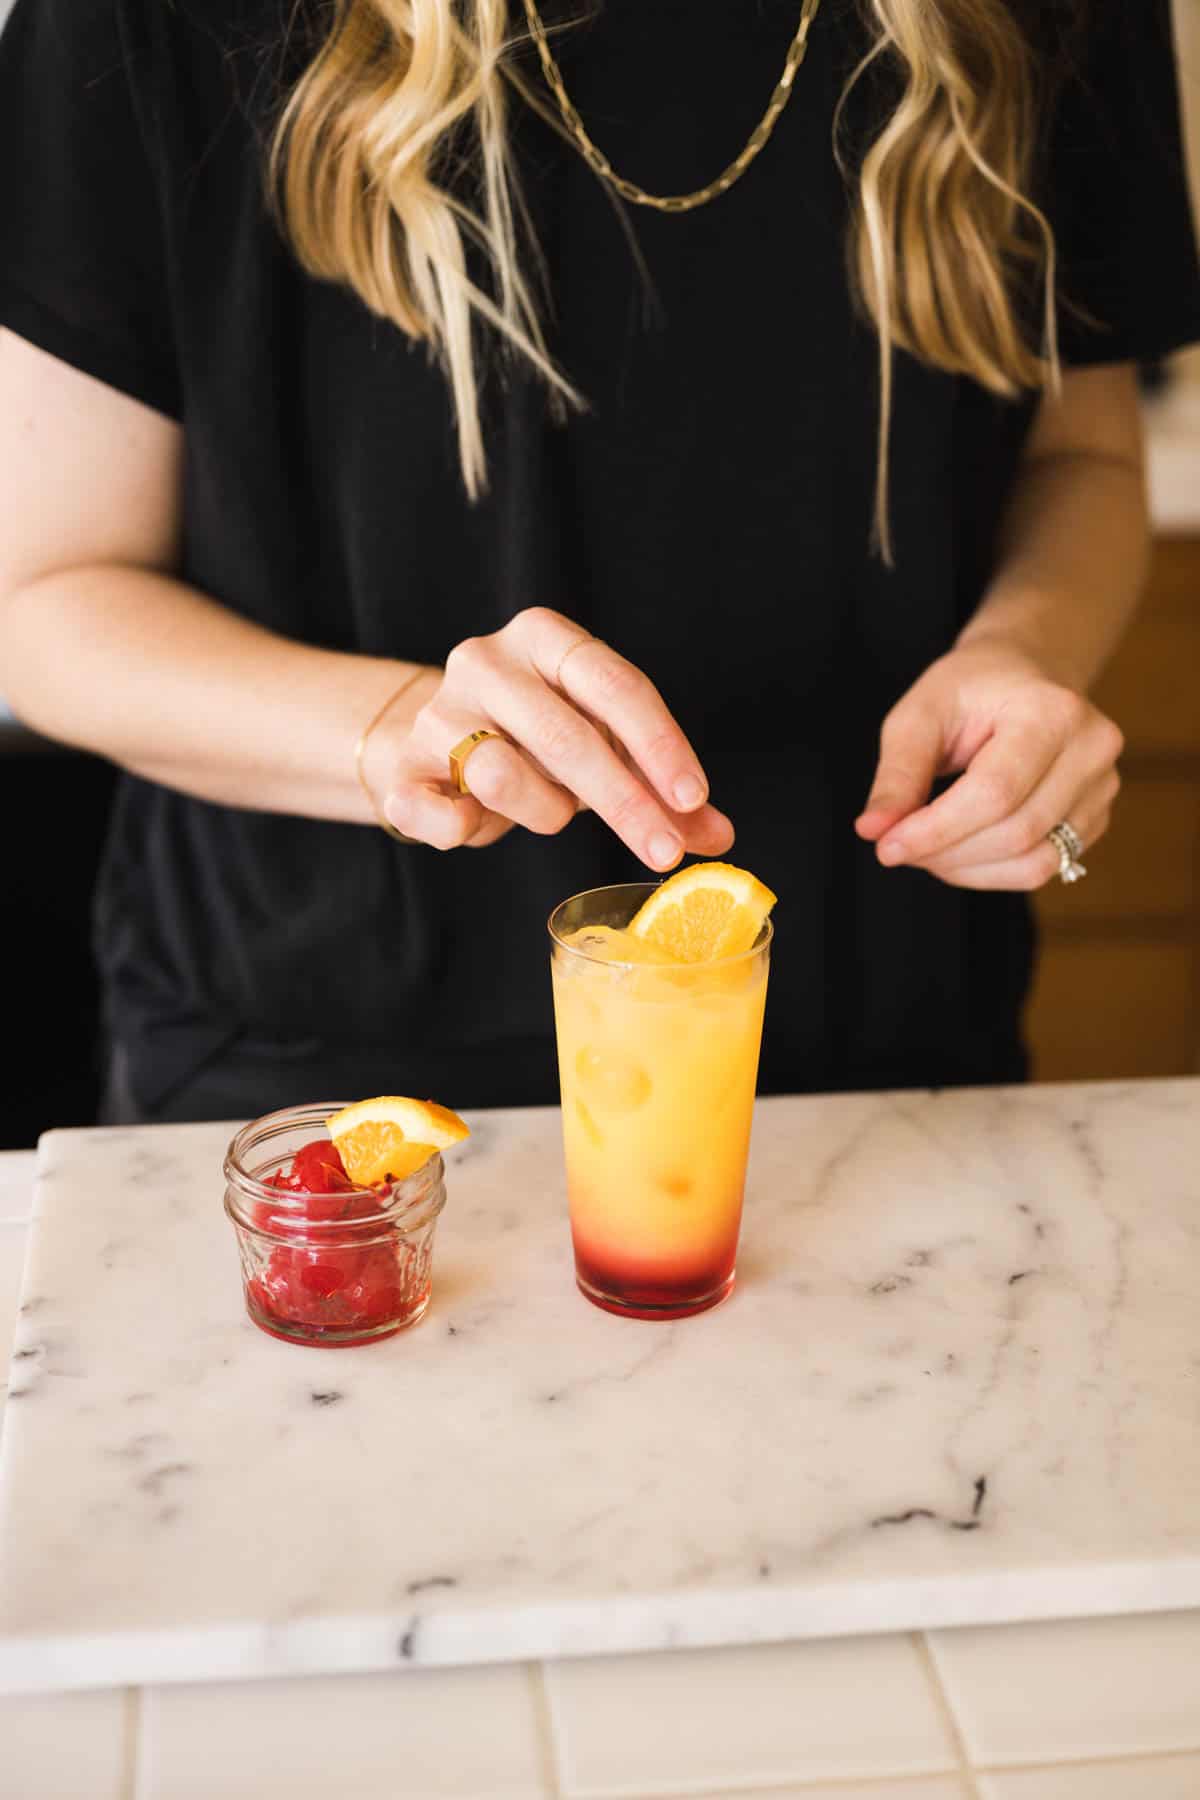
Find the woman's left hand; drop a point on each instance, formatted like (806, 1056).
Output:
(1029, 753)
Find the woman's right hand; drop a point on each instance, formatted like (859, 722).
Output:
(580, 728)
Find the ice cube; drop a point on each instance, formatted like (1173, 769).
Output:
(591, 1130)
(612, 1082)
(608, 943)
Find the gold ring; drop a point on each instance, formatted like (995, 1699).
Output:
(460, 753)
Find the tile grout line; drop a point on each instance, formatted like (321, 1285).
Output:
(787, 1788)
(1092, 1760)
(949, 1717)
(132, 1758)
(543, 1714)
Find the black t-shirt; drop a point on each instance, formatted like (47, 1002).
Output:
(709, 515)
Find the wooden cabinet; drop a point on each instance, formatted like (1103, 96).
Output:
(1118, 984)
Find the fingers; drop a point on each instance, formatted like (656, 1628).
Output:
(1019, 874)
(1038, 862)
(504, 789)
(911, 749)
(603, 684)
(504, 781)
(707, 832)
(580, 727)
(1089, 816)
(575, 756)
(999, 779)
(426, 812)
(1066, 793)
(1033, 753)
(1057, 731)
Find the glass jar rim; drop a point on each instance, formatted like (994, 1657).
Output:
(410, 1202)
(762, 941)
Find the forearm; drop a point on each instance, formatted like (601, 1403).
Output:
(1072, 565)
(150, 673)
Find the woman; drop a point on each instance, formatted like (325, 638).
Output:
(340, 389)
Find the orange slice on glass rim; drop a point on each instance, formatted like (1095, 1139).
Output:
(707, 911)
(390, 1137)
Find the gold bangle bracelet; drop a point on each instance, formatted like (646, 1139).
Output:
(361, 746)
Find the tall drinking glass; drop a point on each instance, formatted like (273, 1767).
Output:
(657, 1067)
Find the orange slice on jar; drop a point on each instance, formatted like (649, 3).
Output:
(390, 1137)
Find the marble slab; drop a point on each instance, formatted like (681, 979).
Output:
(958, 1383)
(17, 1169)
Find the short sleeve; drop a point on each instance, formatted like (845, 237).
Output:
(82, 266)
(1128, 278)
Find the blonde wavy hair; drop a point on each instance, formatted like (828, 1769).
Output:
(946, 244)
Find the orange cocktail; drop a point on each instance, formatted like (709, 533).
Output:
(657, 1063)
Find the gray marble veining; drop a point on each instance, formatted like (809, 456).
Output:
(958, 1382)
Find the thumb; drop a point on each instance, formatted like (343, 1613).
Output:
(910, 755)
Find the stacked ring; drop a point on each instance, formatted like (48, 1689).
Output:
(1069, 844)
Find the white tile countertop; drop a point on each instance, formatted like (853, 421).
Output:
(1083, 1709)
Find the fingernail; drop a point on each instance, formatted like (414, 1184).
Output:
(892, 853)
(689, 792)
(665, 849)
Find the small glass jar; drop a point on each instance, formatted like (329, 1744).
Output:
(328, 1268)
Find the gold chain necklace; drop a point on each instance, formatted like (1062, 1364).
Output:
(673, 203)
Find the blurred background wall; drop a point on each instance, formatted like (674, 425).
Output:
(1118, 989)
